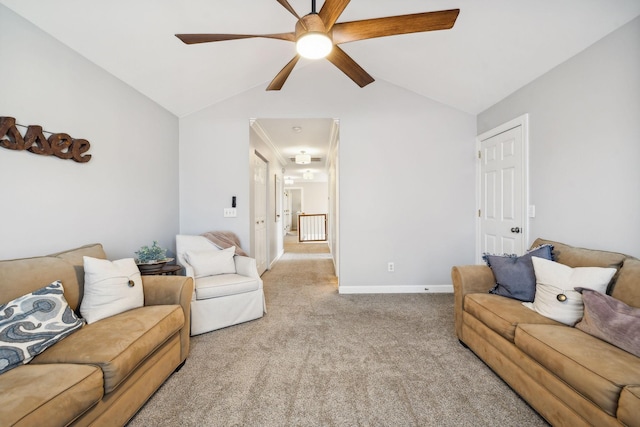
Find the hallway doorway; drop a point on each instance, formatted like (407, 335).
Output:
(302, 154)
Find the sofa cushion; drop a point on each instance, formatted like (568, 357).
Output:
(28, 274)
(212, 261)
(594, 368)
(32, 323)
(118, 344)
(223, 285)
(515, 277)
(629, 406)
(110, 288)
(48, 395)
(581, 257)
(611, 320)
(75, 256)
(627, 285)
(502, 314)
(555, 295)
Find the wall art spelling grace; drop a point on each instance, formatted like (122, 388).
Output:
(60, 145)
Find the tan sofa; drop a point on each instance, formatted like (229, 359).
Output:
(569, 377)
(104, 372)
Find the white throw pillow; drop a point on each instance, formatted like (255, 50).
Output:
(212, 262)
(110, 288)
(555, 297)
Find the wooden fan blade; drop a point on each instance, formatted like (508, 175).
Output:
(206, 38)
(347, 65)
(393, 25)
(278, 81)
(331, 11)
(287, 6)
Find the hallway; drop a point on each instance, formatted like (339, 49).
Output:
(301, 264)
(292, 246)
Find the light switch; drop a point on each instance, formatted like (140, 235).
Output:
(230, 213)
(532, 211)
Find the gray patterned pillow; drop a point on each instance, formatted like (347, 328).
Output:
(32, 323)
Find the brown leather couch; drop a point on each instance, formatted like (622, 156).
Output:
(569, 377)
(104, 372)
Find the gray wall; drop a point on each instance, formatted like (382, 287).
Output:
(584, 119)
(125, 197)
(406, 173)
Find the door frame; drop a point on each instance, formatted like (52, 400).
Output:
(522, 122)
(253, 216)
(301, 190)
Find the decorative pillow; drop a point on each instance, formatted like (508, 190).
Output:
(515, 277)
(110, 288)
(610, 320)
(32, 323)
(212, 262)
(555, 297)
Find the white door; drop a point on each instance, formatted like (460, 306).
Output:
(287, 212)
(260, 212)
(503, 227)
(279, 198)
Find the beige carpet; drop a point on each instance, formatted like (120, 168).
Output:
(318, 358)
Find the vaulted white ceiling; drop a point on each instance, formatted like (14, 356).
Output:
(495, 47)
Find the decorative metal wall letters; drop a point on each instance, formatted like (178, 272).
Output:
(60, 145)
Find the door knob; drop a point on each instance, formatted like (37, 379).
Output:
(515, 230)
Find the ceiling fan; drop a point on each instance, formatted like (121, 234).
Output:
(319, 30)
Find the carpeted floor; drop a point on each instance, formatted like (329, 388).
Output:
(318, 358)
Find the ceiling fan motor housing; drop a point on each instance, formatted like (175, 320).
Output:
(311, 23)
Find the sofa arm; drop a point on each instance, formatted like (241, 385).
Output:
(246, 266)
(163, 290)
(469, 279)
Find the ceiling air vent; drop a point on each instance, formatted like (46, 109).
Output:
(313, 159)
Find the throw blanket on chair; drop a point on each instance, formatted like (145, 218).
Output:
(225, 239)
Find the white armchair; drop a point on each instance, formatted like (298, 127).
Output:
(219, 300)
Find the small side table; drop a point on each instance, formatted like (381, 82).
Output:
(167, 270)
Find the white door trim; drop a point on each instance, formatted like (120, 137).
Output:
(523, 122)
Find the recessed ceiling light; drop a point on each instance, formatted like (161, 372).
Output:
(296, 129)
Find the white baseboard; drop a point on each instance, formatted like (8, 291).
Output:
(426, 289)
(276, 259)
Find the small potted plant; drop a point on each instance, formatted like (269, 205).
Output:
(151, 259)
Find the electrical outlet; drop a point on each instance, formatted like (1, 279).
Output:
(391, 267)
(230, 213)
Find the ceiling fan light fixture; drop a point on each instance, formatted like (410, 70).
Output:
(314, 45)
(303, 158)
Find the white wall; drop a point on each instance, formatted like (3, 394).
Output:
(584, 119)
(406, 173)
(315, 196)
(125, 197)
